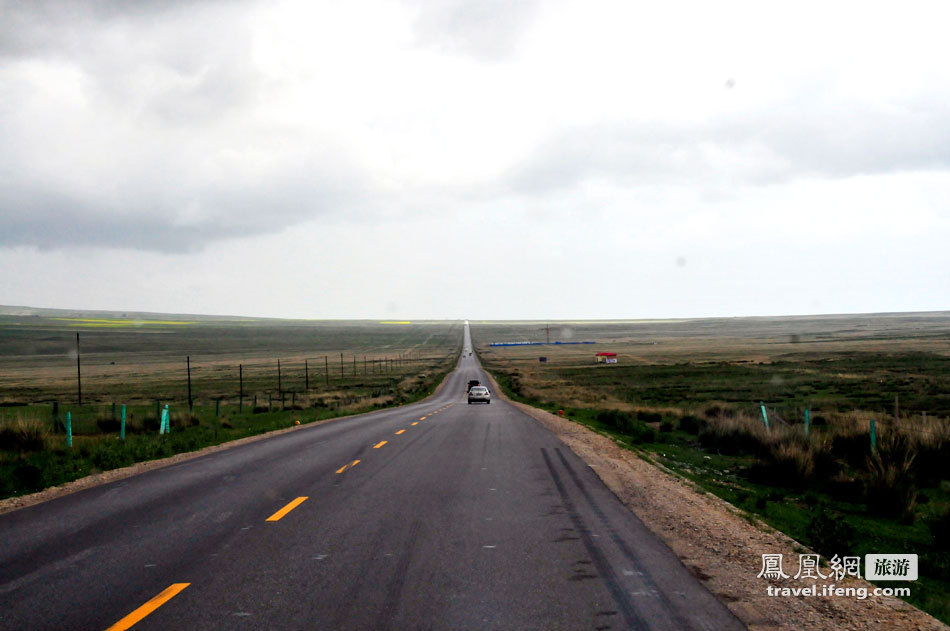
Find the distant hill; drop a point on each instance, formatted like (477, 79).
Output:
(20, 311)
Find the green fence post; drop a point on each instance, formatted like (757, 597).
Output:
(873, 437)
(765, 416)
(122, 427)
(807, 422)
(69, 429)
(165, 426)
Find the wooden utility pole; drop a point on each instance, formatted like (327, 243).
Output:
(280, 388)
(78, 373)
(240, 387)
(326, 369)
(306, 375)
(188, 364)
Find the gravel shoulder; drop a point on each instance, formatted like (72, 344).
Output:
(722, 547)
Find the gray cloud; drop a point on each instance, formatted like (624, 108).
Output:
(157, 150)
(486, 29)
(795, 140)
(37, 27)
(172, 215)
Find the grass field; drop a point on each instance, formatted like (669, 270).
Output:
(326, 369)
(687, 395)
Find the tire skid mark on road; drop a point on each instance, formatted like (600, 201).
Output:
(610, 579)
(642, 571)
(394, 592)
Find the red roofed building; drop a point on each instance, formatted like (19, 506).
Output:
(606, 358)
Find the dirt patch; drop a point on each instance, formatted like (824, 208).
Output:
(722, 547)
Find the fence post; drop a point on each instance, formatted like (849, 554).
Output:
(306, 375)
(166, 420)
(69, 428)
(78, 375)
(122, 427)
(765, 416)
(240, 388)
(280, 388)
(326, 370)
(873, 437)
(217, 406)
(188, 363)
(113, 411)
(807, 422)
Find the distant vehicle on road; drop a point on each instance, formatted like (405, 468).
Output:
(472, 383)
(479, 394)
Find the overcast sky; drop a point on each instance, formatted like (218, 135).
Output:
(486, 159)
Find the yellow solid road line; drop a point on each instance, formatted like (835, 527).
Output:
(379, 444)
(416, 423)
(130, 620)
(286, 509)
(400, 432)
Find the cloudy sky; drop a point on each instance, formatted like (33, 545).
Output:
(482, 159)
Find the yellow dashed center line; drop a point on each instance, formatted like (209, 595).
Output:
(422, 418)
(400, 432)
(347, 466)
(416, 423)
(379, 444)
(130, 620)
(286, 509)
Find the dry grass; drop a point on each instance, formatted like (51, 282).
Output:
(23, 435)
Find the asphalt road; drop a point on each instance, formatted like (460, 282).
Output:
(455, 516)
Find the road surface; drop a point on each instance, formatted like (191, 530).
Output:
(437, 515)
